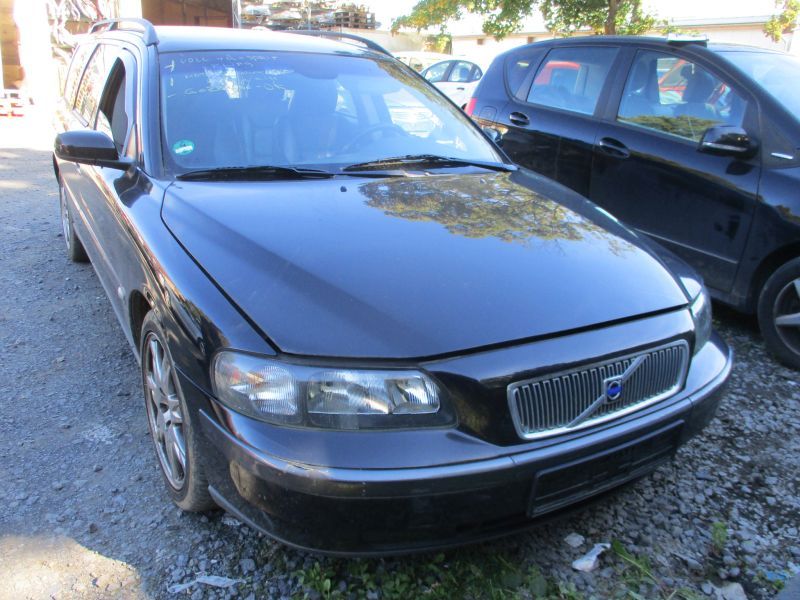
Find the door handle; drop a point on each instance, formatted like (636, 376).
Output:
(460, 89)
(519, 118)
(614, 148)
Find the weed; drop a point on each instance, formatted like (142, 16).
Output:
(319, 578)
(719, 537)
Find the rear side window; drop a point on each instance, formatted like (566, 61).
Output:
(519, 70)
(572, 78)
(75, 71)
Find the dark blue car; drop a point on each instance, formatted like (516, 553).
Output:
(696, 145)
(361, 329)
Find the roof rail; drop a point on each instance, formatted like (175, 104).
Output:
(344, 36)
(679, 39)
(146, 27)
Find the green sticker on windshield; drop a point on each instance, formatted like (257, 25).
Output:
(182, 147)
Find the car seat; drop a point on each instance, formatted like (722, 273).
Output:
(309, 130)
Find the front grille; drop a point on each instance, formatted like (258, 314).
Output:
(586, 396)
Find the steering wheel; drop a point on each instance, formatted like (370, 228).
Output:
(386, 127)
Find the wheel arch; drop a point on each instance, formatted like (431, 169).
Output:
(137, 309)
(768, 265)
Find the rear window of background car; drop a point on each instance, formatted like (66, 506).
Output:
(572, 78)
(519, 70)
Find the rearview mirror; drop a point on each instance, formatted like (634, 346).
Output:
(727, 140)
(90, 147)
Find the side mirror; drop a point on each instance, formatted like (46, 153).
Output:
(727, 140)
(90, 147)
(494, 134)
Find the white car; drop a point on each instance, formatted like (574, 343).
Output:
(420, 60)
(456, 77)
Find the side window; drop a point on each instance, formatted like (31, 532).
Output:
(461, 72)
(669, 94)
(519, 70)
(436, 72)
(572, 78)
(476, 73)
(113, 117)
(76, 66)
(91, 86)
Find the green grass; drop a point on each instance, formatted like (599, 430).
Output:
(469, 574)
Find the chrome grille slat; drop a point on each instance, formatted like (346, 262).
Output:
(546, 405)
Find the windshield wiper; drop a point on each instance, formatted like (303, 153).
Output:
(429, 159)
(254, 173)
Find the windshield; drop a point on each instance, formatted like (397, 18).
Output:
(237, 109)
(776, 73)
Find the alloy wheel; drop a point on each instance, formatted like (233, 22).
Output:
(164, 411)
(787, 315)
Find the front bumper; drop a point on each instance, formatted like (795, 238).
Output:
(292, 492)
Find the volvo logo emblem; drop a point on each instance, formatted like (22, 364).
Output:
(610, 391)
(613, 390)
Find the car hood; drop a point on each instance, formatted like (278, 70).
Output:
(412, 267)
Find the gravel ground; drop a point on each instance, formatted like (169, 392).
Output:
(83, 513)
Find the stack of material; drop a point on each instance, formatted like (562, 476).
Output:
(305, 14)
(351, 16)
(285, 14)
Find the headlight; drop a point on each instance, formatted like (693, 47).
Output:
(291, 394)
(701, 313)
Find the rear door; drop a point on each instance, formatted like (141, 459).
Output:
(551, 115)
(648, 172)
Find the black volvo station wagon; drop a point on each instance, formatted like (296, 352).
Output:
(361, 329)
(696, 145)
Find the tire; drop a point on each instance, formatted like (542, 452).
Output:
(779, 313)
(170, 422)
(75, 250)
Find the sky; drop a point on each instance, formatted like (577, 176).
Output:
(387, 10)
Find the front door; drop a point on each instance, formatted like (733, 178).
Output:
(648, 171)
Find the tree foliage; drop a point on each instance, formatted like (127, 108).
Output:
(563, 17)
(785, 22)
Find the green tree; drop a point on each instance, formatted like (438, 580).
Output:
(563, 17)
(785, 22)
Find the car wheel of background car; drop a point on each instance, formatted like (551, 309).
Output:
(75, 249)
(170, 423)
(779, 313)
